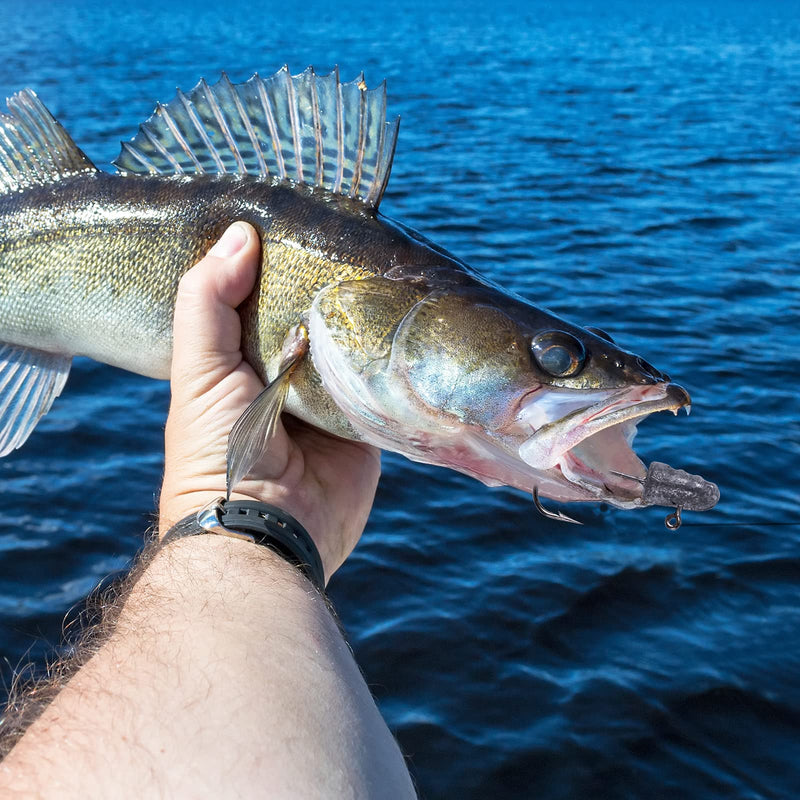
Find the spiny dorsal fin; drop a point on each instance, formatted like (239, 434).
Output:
(305, 128)
(34, 148)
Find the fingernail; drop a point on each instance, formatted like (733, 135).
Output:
(232, 241)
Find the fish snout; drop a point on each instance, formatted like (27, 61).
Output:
(679, 396)
(627, 369)
(646, 369)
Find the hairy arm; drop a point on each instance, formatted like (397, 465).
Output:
(225, 676)
(224, 673)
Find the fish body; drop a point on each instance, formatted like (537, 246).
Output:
(407, 347)
(91, 266)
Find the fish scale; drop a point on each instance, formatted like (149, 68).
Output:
(110, 255)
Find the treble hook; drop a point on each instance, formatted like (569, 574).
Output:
(560, 515)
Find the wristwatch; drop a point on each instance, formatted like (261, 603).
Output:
(259, 523)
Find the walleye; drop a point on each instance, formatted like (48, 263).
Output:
(358, 324)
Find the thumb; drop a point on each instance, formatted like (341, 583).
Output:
(207, 328)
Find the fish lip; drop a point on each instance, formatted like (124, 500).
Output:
(557, 445)
(675, 397)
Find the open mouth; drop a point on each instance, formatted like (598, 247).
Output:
(591, 445)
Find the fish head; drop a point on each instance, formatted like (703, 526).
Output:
(461, 374)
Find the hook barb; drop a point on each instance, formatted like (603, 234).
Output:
(560, 516)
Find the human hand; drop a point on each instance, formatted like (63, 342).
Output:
(326, 483)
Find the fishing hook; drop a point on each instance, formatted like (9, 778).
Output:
(673, 520)
(560, 515)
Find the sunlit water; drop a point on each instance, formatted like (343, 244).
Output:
(638, 170)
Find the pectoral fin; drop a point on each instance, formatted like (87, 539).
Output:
(29, 382)
(250, 435)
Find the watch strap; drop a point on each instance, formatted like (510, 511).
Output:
(259, 523)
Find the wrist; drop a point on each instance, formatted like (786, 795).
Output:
(176, 505)
(213, 577)
(197, 565)
(256, 524)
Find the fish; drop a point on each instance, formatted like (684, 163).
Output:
(358, 324)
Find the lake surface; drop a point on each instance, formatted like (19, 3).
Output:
(633, 168)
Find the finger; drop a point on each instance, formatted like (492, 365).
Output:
(207, 329)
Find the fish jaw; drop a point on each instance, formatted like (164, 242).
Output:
(586, 456)
(590, 446)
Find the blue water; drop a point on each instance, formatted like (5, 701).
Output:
(635, 168)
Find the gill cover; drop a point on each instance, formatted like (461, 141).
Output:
(412, 365)
(351, 327)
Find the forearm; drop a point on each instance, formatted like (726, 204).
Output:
(224, 669)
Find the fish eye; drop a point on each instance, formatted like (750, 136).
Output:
(558, 353)
(601, 333)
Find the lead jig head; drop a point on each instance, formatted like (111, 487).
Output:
(666, 486)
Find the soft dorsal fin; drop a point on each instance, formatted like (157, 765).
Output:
(34, 148)
(305, 128)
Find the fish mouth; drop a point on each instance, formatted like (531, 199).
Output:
(590, 446)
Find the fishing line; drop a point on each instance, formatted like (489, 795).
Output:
(750, 523)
